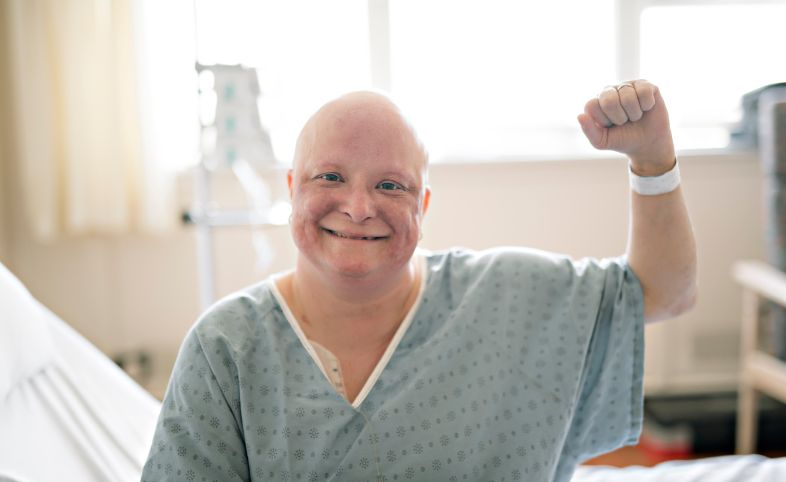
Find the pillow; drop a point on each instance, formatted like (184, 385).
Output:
(25, 341)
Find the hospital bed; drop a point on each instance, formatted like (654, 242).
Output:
(69, 414)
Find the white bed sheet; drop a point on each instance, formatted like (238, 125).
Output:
(732, 468)
(73, 415)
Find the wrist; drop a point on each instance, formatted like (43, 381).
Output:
(653, 185)
(652, 169)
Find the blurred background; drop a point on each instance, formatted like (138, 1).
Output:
(144, 147)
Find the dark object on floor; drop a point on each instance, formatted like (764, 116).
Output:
(711, 420)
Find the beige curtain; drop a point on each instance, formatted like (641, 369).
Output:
(82, 158)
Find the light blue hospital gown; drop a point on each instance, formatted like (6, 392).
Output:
(517, 364)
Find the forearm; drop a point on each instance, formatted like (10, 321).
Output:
(631, 118)
(662, 252)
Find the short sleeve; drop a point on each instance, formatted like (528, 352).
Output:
(608, 411)
(198, 436)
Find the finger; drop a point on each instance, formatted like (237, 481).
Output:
(595, 133)
(593, 110)
(646, 94)
(609, 101)
(630, 101)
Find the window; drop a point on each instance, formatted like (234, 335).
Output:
(490, 79)
(712, 54)
(498, 78)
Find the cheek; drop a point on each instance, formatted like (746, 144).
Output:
(306, 211)
(405, 219)
(414, 214)
(308, 206)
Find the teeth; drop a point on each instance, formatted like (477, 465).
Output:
(341, 235)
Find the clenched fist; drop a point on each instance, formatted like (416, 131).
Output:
(631, 118)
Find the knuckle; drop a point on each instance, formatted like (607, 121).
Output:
(607, 102)
(629, 101)
(591, 105)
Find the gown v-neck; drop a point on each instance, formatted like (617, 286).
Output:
(327, 362)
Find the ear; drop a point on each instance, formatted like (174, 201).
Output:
(426, 199)
(290, 173)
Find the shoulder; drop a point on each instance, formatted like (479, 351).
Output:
(465, 260)
(237, 321)
(460, 268)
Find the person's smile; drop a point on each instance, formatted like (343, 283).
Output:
(350, 236)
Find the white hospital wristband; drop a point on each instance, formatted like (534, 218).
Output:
(655, 185)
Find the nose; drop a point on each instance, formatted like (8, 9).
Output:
(359, 205)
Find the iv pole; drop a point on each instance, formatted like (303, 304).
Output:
(205, 217)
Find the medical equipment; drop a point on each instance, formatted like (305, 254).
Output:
(232, 138)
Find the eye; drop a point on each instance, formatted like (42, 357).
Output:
(331, 177)
(391, 186)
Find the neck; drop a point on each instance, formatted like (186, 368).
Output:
(352, 314)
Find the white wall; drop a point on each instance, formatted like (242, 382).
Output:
(142, 291)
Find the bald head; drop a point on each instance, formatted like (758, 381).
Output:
(362, 117)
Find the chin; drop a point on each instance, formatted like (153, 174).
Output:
(360, 269)
(356, 269)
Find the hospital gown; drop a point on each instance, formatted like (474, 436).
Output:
(514, 364)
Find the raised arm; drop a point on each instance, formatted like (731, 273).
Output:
(631, 118)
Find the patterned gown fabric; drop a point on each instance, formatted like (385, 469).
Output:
(517, 365)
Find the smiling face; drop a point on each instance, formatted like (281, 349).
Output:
(358, 189)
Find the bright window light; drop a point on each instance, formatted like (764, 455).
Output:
(305, 52)
(485, 79)
(491, 79)
(705, 57)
